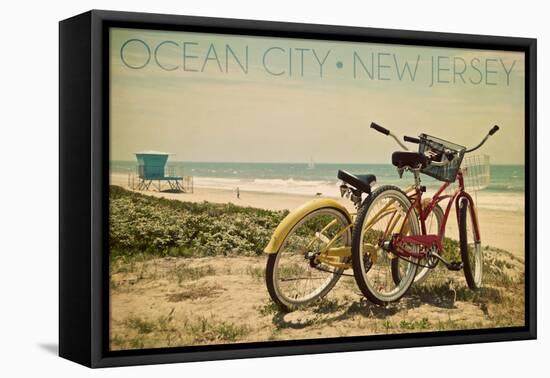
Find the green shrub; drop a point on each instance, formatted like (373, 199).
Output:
(158, 226)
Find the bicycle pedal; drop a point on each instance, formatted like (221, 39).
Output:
(455, 265)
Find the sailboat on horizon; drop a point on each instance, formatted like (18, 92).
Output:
(311, 164)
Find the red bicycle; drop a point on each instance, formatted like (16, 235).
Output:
(391, 239)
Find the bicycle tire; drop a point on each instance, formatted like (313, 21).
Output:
(283, 302)
(473, 274)
(357, 256)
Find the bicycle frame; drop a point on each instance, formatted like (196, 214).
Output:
(428, 241)
(331, 255)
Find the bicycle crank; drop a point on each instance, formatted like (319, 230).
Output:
(451, 265)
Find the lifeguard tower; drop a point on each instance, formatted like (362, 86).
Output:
(151, 169)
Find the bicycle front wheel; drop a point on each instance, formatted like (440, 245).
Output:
(470, 245)
(383, 214)
(295, 275)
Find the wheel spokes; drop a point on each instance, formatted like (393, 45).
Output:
(386, 216)
(300, 275)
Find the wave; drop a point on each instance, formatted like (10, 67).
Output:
(490, 198)
(288, 186)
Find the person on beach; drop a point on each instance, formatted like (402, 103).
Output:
(238, 193)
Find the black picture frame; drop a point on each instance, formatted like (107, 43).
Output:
(83, 196)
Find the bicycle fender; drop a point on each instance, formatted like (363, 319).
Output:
(288, 223)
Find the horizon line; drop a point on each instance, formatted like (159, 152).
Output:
(280, 162)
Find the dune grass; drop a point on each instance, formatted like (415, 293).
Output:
(141, 224)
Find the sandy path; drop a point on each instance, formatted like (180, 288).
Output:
(185, 301)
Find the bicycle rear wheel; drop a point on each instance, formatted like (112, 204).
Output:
(384, 213)
(470, 245)
(294, 277)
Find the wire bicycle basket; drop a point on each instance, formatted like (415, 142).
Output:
(476, 170)
(438, 150)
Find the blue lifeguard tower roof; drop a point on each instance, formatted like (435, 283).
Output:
(152, 167)
(151, 164)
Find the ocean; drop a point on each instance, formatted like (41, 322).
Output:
(303, 178)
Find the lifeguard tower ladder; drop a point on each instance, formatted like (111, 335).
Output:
(151, 169)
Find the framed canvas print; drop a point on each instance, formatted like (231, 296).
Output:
(233, 188)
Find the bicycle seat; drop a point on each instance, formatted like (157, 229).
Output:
(403, 159)
(361, 182)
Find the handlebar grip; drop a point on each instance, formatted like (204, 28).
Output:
(411, 139)
(379, 128)
(494, 130)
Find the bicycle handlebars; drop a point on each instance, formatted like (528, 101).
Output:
(387, 132)
(411, 139)
(379, 128)
(491, 132)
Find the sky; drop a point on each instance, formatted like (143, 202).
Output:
(211, 97)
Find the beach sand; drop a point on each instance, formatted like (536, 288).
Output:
(501, 228)
(179, 301)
